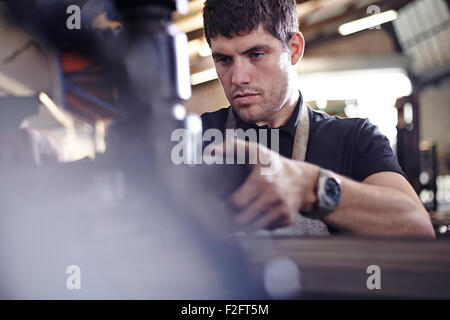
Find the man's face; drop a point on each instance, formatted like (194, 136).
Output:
(254, 71)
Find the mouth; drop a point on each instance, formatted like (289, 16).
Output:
(243, 95)
(245, 98)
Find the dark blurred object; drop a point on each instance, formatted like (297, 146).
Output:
(90, 89)
(136, 224)
(418, 159)
(408, 138)
(429, 172)
(47, 20)
(447, 161)
(441, 223)
(178, 5)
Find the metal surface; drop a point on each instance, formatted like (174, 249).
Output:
(336, 268)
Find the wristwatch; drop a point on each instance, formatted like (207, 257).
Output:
(328, 195)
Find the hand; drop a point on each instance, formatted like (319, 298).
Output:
(28, 147)
(273, 199)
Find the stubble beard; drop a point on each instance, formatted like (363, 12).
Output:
(273, 101)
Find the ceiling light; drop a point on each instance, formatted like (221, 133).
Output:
(56, 112)
(368, 22)
(203, 76)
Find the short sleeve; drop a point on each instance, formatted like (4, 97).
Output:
(373, 152)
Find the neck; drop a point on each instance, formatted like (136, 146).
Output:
(280, 117)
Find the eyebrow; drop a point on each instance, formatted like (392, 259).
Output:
(261, 47)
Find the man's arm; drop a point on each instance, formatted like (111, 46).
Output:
(383, 204)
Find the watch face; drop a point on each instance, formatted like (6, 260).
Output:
(332, 190)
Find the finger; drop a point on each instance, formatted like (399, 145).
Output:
(252, 152)
(237, 150)
(230, 143)
(262, 204)
(233, 143)
(268, 219)
(278, 223)
(217, 148)
(246, 193)
(234, 149)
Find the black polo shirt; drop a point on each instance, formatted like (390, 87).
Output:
(351, 147)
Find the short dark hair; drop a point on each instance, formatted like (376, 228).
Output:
(240, 17)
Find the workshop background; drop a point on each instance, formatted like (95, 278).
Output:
(388, 61)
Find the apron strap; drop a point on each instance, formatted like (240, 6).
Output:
(301, 135)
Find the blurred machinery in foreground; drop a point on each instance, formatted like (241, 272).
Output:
(135, 224)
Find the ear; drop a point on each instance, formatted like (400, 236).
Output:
(296, 47)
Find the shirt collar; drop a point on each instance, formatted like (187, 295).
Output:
(290, 126)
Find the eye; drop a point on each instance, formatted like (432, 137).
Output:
(256, 55)
(223, 60)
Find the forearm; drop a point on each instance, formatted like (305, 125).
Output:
(384, 204)
(379, 210)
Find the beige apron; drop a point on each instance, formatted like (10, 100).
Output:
(302, 225)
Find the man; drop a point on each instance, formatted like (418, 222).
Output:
(347, 178)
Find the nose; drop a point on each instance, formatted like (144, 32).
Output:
(241, 72)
